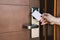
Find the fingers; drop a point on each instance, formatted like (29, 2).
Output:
(47, 18)
(44, 15)
(43, 21)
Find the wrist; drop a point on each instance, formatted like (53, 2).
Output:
(56, 21)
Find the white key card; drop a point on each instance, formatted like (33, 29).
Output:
(36, 15)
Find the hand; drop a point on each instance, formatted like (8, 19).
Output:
(47, 18)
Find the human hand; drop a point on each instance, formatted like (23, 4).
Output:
(47, 18)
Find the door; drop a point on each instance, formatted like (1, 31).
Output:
(13, 14)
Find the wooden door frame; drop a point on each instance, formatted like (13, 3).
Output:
(55, 14)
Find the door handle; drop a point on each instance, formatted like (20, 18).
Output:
(30, 26)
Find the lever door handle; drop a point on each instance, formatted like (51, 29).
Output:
(30, 26)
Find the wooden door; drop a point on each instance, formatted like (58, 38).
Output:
(13, 14)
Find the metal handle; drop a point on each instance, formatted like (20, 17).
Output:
(30, 26)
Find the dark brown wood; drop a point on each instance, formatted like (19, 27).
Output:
(58, 15)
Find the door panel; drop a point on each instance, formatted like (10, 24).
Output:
(13, 17)
(22, 2)
(22, 35)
